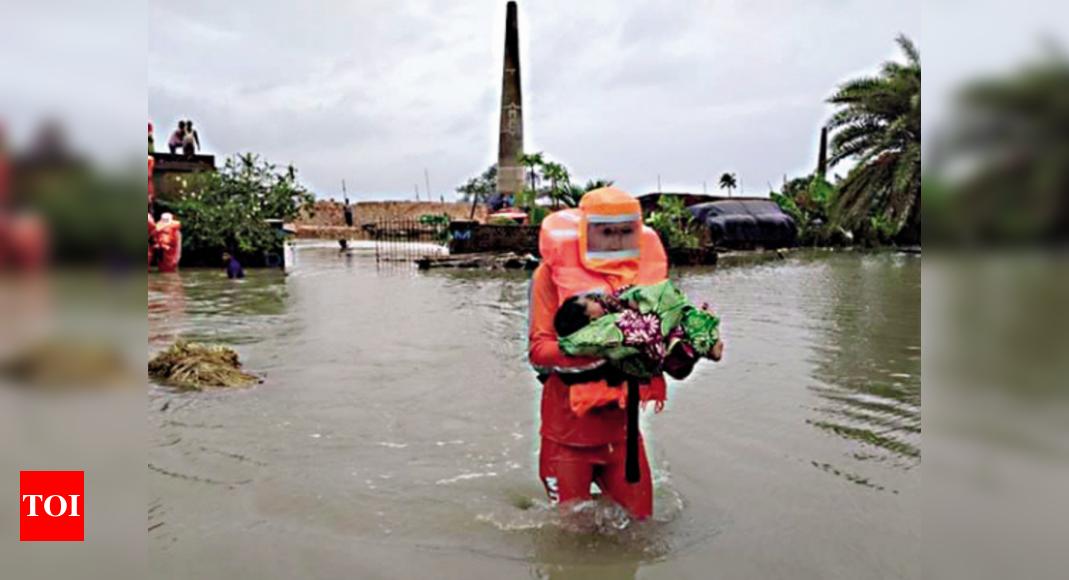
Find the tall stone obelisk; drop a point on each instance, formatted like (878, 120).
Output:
(510, 174)
(822, 159)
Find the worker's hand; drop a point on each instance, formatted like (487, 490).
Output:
(717, 352)
(679, 364)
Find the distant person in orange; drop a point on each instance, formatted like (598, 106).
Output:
(169, 240)
(151, 238)
(27, 241)
(5, 172)
(151, 185)
(23, 235)
(601, 246)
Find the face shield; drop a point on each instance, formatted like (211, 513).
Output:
(610, 235)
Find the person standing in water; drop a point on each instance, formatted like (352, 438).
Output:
(600, 246)
(234, 271)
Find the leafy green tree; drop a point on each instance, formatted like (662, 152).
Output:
(480, 187)
(88, 213)
(229, 209)
(1009, 131)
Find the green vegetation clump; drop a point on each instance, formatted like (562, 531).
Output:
(675, 224)
(228, 210)
(197, 366)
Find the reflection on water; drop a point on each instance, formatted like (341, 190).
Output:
(868, 366)
(396, 432)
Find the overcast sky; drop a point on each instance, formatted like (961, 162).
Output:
(374, 91)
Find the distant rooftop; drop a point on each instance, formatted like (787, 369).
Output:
(179, 163)
(649, 200)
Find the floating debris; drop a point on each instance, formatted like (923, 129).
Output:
(61, 364)
(197, 366)
(483, 261)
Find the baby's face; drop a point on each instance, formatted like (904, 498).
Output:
(594, 310)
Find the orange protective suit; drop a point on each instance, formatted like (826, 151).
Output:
(151, 185)
(151, 238)
(169, 240)
(563, 245)
(583, 428)
(27, 237)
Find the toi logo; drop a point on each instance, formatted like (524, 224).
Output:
(52, 506)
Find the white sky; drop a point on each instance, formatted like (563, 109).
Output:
(374, 91)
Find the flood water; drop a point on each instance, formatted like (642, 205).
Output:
(395, 433)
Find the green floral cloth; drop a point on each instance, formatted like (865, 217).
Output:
(644, 324)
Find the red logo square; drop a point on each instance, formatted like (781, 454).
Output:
(52, 506)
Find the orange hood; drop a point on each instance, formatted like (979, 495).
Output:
(609, 205)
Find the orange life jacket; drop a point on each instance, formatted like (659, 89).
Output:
(167, 233)
(574, 270)
(28, 239)
(169, 238)
(151, 237)
(151, 185)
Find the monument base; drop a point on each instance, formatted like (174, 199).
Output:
(510, 179)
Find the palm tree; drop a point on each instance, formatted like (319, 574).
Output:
(1008, 131)
(533, 162)
(878, 124)
(557, 176)
(728, 182)
(479, 189)
(572, 194)
(597, 184)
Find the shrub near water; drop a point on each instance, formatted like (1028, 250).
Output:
(228, 210)
(197, 366)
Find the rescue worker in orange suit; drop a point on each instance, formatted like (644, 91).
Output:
(169, 240)
(151, 238)
(23, 234)
(5, 172)
(151, 185)
(25, 237)
(601, 246)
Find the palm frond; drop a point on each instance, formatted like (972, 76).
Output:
(910, 49)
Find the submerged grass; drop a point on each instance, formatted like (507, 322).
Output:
(197, 366)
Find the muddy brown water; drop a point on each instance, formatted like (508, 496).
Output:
(394, 435)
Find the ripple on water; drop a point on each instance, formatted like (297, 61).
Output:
(597, 532)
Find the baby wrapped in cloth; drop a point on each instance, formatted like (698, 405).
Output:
(640, 331)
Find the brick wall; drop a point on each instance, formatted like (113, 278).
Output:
(329, 213)
(472, 238)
